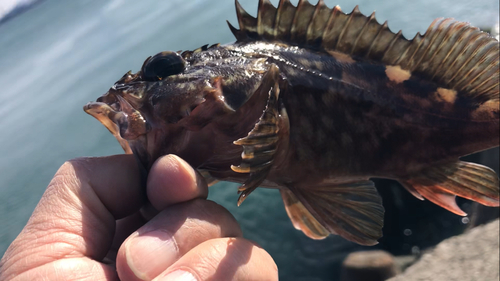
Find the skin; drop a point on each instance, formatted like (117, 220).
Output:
(95, 222)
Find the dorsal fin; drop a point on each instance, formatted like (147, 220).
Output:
(453, 54)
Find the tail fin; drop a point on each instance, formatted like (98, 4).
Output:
(441, 184)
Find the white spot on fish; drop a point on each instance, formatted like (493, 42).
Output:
(396, 74)
(446, 95)
(487, 110)
(341, 57)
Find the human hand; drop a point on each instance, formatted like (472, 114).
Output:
(96, 222)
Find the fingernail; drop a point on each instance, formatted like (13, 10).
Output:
(178, 275)
(150, 253)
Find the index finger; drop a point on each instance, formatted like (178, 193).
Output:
(172, 180)
(75, 218)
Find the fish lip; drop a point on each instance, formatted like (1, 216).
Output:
(102, 111)
(118, 111)
(105, 114)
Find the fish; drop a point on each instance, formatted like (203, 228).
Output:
(316, 102)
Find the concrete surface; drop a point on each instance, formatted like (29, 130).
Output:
(472, 256)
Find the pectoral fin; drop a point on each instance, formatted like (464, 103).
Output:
(352, 210)
(208, 177)
(259, 146)
(442, 183)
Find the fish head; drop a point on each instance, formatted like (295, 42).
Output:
(164, 107)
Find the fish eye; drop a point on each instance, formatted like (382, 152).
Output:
(162, 65)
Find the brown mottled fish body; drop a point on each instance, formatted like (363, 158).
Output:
(316, 102)
(351, 119)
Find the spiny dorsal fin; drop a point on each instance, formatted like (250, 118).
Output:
(453, 54)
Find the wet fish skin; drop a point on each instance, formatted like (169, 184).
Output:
(378, 126)
(316, 107)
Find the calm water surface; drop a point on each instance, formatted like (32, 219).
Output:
(59, 55)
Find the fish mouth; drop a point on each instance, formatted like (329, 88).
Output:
(105, 114)
(118, 115)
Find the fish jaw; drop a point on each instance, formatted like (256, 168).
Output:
(104, 113)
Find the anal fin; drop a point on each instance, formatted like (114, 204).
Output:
(352, 210)
(301, 218)
(440, 185)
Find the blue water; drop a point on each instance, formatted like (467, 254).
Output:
(59, 55)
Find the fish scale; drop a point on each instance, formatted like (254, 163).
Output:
(315, 102)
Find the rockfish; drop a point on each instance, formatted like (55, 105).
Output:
(315, 102)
